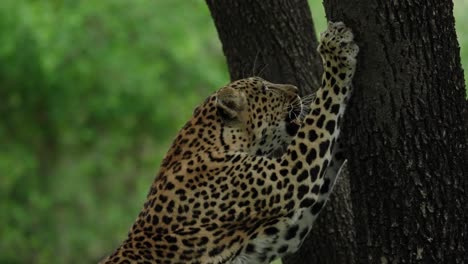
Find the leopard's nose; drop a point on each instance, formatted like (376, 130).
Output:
(288, 88)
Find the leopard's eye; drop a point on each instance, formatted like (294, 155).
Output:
(264, 88)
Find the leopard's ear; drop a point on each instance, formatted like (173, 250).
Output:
(230, 103)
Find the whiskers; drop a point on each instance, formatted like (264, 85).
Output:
(300, 107)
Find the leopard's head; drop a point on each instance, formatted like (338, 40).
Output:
(258, 117)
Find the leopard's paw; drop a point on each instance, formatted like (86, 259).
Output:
(337, 44)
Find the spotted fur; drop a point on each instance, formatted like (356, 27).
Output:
(223, 194)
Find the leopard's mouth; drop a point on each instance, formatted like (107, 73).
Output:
(294, 116)
(295, 109)
(293, 121)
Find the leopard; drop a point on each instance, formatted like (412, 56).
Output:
(248, 174)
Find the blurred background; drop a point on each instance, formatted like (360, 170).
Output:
(91, 96)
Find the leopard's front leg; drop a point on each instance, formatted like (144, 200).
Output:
(315, 147)
(312, 148)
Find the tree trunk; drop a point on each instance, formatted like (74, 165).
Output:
(276, 40)
(407, 134)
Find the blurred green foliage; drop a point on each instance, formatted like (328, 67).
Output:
(91, 95)
(461, 25)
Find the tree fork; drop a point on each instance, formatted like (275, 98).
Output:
(274, 39)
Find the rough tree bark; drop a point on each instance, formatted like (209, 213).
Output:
(276, 40)
(407, 131)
